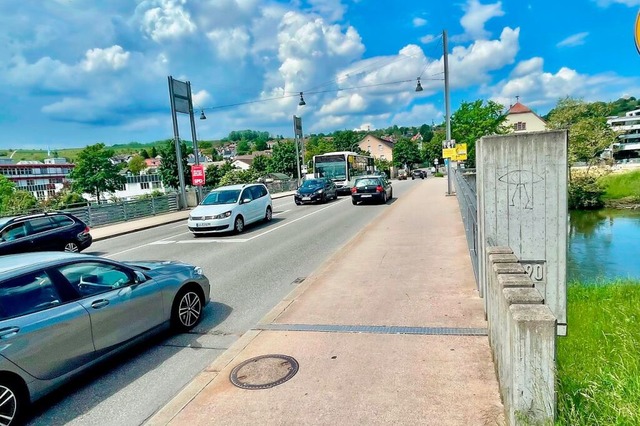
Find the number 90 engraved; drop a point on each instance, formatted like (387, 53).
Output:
(534, 268)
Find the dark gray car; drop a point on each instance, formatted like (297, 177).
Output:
(63, 312)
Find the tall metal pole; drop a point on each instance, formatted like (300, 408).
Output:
(194, 136)
(447, 106)
(176, 139)
(295, 140)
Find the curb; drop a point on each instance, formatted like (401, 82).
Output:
(176, 404)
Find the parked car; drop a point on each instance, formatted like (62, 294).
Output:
(61, 313)
(230, 208)
(402, 174)
(417, 173)
(316, 190)
(371, 188)
(43, 232)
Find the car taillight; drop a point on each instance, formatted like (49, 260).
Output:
(379, 188)
(86, 230)
(354, 190)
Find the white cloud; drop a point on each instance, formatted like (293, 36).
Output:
(419, 22)
(112, 58)
(607, 3)
(163, 20)
(333, 10)
(539, 88)
(428, 38)
(475, 17)
(573, 40)
(230, 43)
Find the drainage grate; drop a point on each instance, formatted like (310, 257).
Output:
(263, 372)
(375, 329)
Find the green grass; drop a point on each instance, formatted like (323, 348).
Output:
(599, 361)
(621, 185)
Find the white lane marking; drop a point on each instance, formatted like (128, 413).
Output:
(179, 226)
(282, 212)
(162, 242)
(209, 241)
(294, 220)
(144, 245)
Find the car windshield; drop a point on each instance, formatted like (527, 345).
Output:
(368, 181)
(312, 183)
(221, 197)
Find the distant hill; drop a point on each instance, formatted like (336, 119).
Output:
(623, 105)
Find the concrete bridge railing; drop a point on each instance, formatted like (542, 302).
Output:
(522, 334)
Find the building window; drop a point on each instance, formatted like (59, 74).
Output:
(155, 185)
(520, 126)
(380, 147)
(144, 185)
(40, 195)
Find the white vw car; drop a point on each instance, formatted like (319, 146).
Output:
(230, 208)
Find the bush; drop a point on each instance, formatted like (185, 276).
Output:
(585, 192)
(438, 174)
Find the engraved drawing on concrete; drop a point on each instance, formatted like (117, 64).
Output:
(521, 179)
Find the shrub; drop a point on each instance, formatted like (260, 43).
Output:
(585, 192)
(438, 174)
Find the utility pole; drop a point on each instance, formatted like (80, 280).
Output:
(447, 106)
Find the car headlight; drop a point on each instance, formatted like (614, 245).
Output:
(319, 191)
(197, 270)
(222, 215)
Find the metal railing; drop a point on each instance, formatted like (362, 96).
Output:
(465, 186)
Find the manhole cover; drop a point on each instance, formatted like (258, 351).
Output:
(264, 371)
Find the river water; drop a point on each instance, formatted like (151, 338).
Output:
(603, 244)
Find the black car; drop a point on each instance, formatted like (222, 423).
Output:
(54, 231)
(418, 174)
(316, 190)
(371, 188)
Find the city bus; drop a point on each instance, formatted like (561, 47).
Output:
(341, 167)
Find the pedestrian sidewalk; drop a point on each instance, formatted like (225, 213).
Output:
(390, 330)
(121, 228)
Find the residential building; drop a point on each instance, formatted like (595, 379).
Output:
(135, 186)
(521, 119)
(377, 147)
(43, 180)
(628, 130)
(153, 162)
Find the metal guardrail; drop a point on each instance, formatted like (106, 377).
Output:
(465, 186)
(104, 214)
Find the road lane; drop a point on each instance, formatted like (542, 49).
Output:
(250, 273)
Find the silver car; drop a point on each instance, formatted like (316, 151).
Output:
(63, 312)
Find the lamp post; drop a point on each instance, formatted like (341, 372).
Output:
(355, 144)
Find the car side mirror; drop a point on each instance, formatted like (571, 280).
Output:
(140, 277)
(246, 200)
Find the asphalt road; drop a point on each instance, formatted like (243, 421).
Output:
(249, 273)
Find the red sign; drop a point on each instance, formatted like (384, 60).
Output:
(197, 175)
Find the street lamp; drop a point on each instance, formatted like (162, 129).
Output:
(355, 144)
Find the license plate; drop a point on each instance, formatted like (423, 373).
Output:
(306, 198)
(201, 225)
(366, 196)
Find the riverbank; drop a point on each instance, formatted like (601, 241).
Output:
(599, 360)
(621, 190)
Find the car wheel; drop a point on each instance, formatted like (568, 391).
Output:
(298, 203)
(335, 196)
(268, 215)
(384, 198)
(391, 194)
(238, 225)
(353, 201)
(187, 309)
(13, 401)
(323, 199)
(71, 247)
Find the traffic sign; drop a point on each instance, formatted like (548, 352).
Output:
(197, 175)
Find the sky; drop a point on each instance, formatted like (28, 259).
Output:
(79, 72)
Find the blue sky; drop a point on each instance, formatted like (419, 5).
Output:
(78, 72)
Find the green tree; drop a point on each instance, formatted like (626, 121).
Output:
(95, 173)
(168, 169)
(344, 140)
(383, 165)
(19, 202)
(589, 133)
(137, 164)
(214, 174)
(144, 153)
(236, 176)
(283, 159)
(405, 153)
(243, 147)
(154, 152)
(260, 164)
(260, 144)
(476, 119)
(432, 150)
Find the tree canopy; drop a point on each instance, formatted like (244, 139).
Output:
(94, 172)
(405, 153)
(168, 169)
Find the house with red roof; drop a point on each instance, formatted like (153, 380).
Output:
(521, 119)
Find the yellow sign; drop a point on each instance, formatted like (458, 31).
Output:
(457, 153)
(461, 152)
(637, 32)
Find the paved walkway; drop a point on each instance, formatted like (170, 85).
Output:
(390, 330)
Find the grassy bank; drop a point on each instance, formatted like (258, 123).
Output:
(621, 187)
(599, 361)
